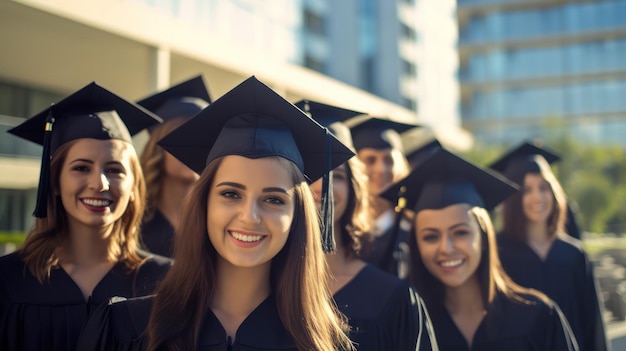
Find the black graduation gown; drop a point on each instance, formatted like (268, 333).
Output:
(508, 325)
(50, 316)
(398, 263)
(566, 276)
(120, 326)
(384, 312)
(157, 235)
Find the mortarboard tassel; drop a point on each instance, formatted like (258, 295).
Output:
(41, 209)
(399, 209)
(328, 240)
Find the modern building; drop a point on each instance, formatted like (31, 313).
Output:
(543, 68)
(134, 47)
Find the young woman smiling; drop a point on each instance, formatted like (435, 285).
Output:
(455, 266)
(84, 247)
(250, 271)
(537, 253)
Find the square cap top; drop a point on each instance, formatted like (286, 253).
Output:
(91, 112)
(522, 154)
(254, 121)
(379, 133)
(331, 117)
(445, 179)
(418, 143)
(182, 100)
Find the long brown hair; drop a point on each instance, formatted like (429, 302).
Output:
(297, 276)
(38, 250)
(491, 276)
(153, 164)
(356, 221)
(515, 222)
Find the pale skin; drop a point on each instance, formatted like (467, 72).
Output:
(538, 203)
(249, 217)
(96, 185)
(343, 269)
(449, 242)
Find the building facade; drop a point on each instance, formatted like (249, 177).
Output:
(549, 68)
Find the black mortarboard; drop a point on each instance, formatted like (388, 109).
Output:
(520, 159)
(91, 112)
(331, 117)
(419, 143)
(445, 179)
(182, 100)
(379, 133)
(254, 121)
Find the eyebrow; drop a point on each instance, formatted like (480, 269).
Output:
(91, 162)
(243, 187)
(452, 227)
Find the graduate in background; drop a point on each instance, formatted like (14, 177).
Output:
(384, 312)
(84, 247)
(250, 272)
(379, 147)
(167, 179)
(455, 266)
(535, 250)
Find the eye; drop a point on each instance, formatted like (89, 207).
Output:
(115, 170)
(461, 232)
(430, 237)
(230, 194)
(388, 160)
(80, 168)
(274, 200)
(339, 176)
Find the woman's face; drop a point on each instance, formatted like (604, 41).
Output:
(537, 198)
(378, 167)
(250, 210)
(96, 182)
(449, 243)
(341, 191)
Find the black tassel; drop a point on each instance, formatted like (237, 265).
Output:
(391, 245)
(41, 209)
(328, 213)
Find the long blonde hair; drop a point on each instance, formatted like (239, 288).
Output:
(38, 250)
(297, 277)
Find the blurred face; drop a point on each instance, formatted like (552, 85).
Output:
(378, 167)
(341, 192)
(449, 242)
(250, 213)
(537, 200)
(96, 182)
(177, 170)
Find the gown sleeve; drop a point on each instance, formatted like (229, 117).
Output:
(559, 336)
(117, 325)
(594, 336)
(413, 329)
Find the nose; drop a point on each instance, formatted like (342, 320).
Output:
(250, 212)
(447, 244)
(100, 182)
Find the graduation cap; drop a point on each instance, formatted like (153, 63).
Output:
(182, 100)
(418, 143)
(253, 121)
(379, 133)
(521, 160)
(445, 179)
(91, 112)
(331, 117)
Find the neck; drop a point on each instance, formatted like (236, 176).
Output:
(537, 232)
(88, 245)
(238, 291)
(342, 268)
(465, 298)
(378, 206)
(171, 198)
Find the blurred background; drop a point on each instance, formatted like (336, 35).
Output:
(480, 75)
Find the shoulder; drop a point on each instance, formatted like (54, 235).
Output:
(13, 272)
(152, 270)
(384, 289)
(154, 263)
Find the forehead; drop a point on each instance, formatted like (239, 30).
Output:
(101, 150)
(533, 178)
(264, 171)
(453, 214)
(371, 152)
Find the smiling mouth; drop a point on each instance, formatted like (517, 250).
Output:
(451, 263)
(246, 237)
(97, 202)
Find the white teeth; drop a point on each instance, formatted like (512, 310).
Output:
(97, 203)
(451, 263)
(246, 238)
